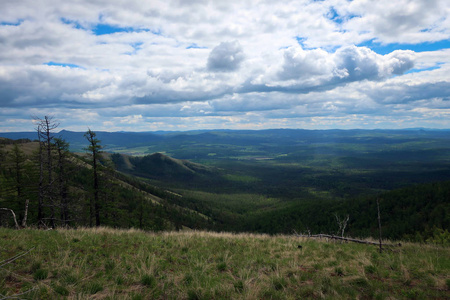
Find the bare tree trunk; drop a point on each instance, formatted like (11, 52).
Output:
(94, 149)
(48, 127)
(342, 223)
(45, 129)
(96, 200)
(379, 224)
(41, 180)
(25, 214)
(13, 215)
(62, 147)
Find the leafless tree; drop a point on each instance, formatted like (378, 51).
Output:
(62, 149)
(342, 223)
(379, 224)
(45, 128)
(94, 150)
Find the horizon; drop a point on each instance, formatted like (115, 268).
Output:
(229, 129)
(213, 65)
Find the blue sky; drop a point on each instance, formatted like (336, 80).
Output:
(184, 65)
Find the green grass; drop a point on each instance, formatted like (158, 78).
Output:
(128, 264)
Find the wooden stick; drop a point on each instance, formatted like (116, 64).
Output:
(344, 239)
(10, 260)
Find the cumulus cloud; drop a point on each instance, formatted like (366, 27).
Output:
(359, 63)
(305, 71)
(226, 57)
(248, 61)
(403, 21)
(298, 63)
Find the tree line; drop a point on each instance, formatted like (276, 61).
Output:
(38, 183)
(47, 186)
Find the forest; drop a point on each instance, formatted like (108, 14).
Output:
(270, 181)
(47, 186)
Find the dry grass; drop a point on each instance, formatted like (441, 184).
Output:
(105, 263)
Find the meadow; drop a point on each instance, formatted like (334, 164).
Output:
(103, 263)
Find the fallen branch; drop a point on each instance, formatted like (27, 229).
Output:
(343, 239)
(13, 214)
(10, 260)
(15, 296)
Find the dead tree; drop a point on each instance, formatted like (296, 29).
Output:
(45, 128)
(342, 224)
(379, 224)
(94, 150)
(41, 179)
(25, 214)
(62, 149)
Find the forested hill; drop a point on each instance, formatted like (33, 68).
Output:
(65, 198)
(290, 192)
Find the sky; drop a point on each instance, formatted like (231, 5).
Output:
(134, 65)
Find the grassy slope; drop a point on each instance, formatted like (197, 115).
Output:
(111, 264)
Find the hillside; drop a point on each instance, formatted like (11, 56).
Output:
(124, 201)
(412, 213)
(104, 263)
(160, 166)
(159, 192)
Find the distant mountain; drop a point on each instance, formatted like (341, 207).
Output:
(77, 140)
(114, 140)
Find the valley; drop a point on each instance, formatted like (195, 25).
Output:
(277, 181)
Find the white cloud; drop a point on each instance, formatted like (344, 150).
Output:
(251, 61)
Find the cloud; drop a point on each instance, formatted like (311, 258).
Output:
(304, 71)
(402, 21)
(298, 63)
(226, 57)
(407, 93)
(248, 61)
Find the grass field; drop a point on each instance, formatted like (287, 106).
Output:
(119, 264)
